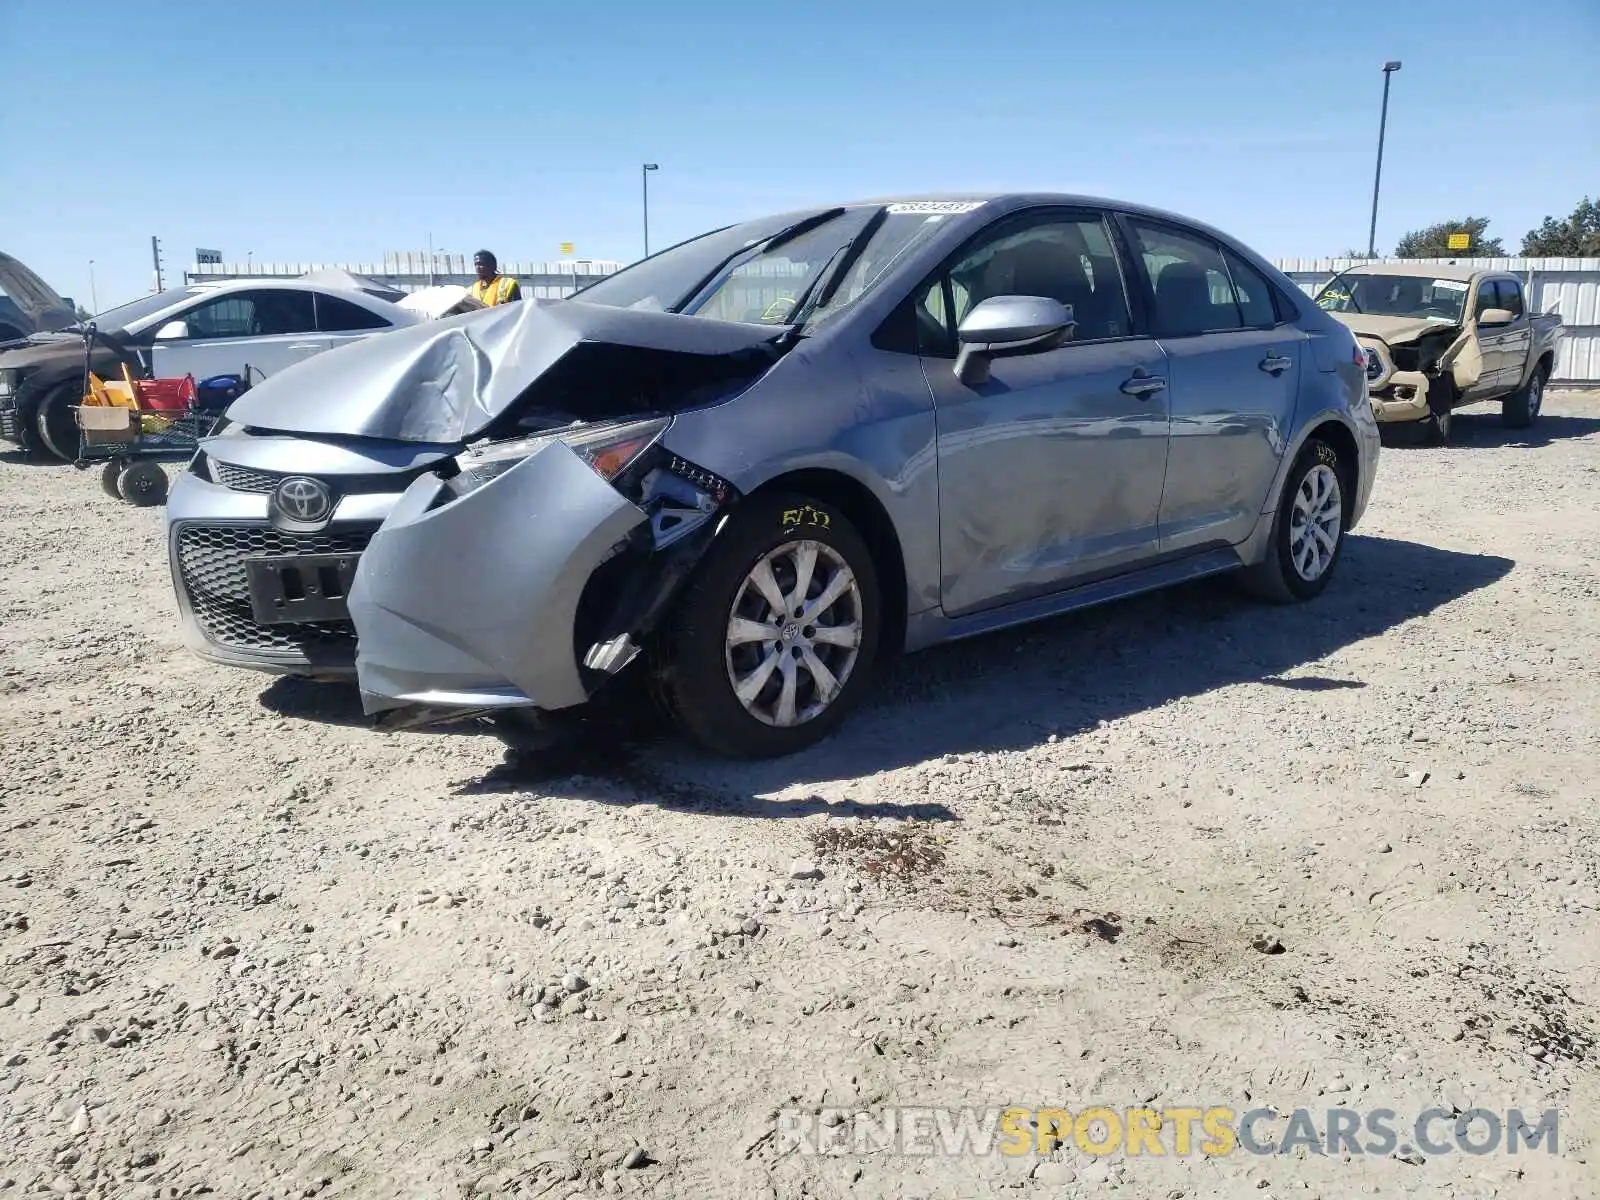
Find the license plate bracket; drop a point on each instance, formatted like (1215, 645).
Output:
(299, 588)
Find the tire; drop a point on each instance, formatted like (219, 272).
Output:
(1435, 427)
(694, 667)
(1521, 409)
(55, 424)
(142, 483)
(1279, 577)
(108, 478)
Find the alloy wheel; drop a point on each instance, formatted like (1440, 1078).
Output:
(1316, 522)
(794, 633)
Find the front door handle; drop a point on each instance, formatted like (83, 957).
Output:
(1143, 385)
(1276, 364)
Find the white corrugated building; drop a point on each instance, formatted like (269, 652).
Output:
(408, 272)
(1569, 286)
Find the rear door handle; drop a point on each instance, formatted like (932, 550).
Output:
(1276, 364)
(1143, 385)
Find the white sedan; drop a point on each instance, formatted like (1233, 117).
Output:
(245, 327)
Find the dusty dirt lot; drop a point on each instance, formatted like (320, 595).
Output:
(1185, 850)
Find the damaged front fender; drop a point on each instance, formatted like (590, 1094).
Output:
(530, 591)
(470, 601)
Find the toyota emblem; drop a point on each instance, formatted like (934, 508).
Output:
(303, 499)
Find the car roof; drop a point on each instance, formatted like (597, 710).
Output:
(387, 308)
(291, 285)
(1022, 198)
(1459, 272)
(1029, 199)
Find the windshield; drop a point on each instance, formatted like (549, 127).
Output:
(734, 275)
(124, 315)
(1395, 296)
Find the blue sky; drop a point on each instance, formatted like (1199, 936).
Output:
(336, 130)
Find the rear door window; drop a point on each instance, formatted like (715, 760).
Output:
(1253, 293)
(336, 315)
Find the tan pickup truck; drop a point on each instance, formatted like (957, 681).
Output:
(1440, 336)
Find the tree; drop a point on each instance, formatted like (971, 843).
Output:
(1434, 241)
(83, 313)
(1576, 237)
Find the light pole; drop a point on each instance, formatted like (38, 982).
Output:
(1389, 68)
(644, 179)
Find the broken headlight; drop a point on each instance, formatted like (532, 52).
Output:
(608, 448)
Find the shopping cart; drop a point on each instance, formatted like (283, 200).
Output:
(130, 426)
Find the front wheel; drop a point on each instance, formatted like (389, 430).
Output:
(1521, 409)
(774, 639)
(56, 425)
(1308, 533)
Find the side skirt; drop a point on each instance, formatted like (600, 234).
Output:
(933, 627)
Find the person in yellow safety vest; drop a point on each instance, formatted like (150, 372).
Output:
(493, 287)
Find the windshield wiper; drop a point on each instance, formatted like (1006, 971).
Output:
(742, 255)
(802, 302)
(831, 276)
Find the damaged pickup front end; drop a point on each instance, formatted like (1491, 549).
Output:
(1415, 369)
(522, 576)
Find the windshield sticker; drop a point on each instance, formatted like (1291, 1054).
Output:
(1448, 285)
(936, 206)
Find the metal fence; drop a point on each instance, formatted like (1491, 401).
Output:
(1569, 286)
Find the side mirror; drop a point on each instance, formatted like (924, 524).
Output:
(1496, 316)
(172, 329)
(1006, 326)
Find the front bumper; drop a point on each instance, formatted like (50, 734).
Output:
(211, 530)
(472, 602)
(1403, 396)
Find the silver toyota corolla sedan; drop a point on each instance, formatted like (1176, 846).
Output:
(746, 469)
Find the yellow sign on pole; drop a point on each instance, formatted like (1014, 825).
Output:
(566, 247)
(1459, 241)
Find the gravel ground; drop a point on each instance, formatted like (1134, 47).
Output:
(1182, 850)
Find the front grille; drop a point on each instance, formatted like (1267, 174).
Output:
(10, 424)
(211, 566)
(243, 479)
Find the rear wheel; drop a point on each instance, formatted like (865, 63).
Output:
(1521, 409)
(142, 483)
(108, 478)
(56, 425)
(1308, 533)
(774, 640)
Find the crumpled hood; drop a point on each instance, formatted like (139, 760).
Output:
(1393, 330)
(447, 381)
